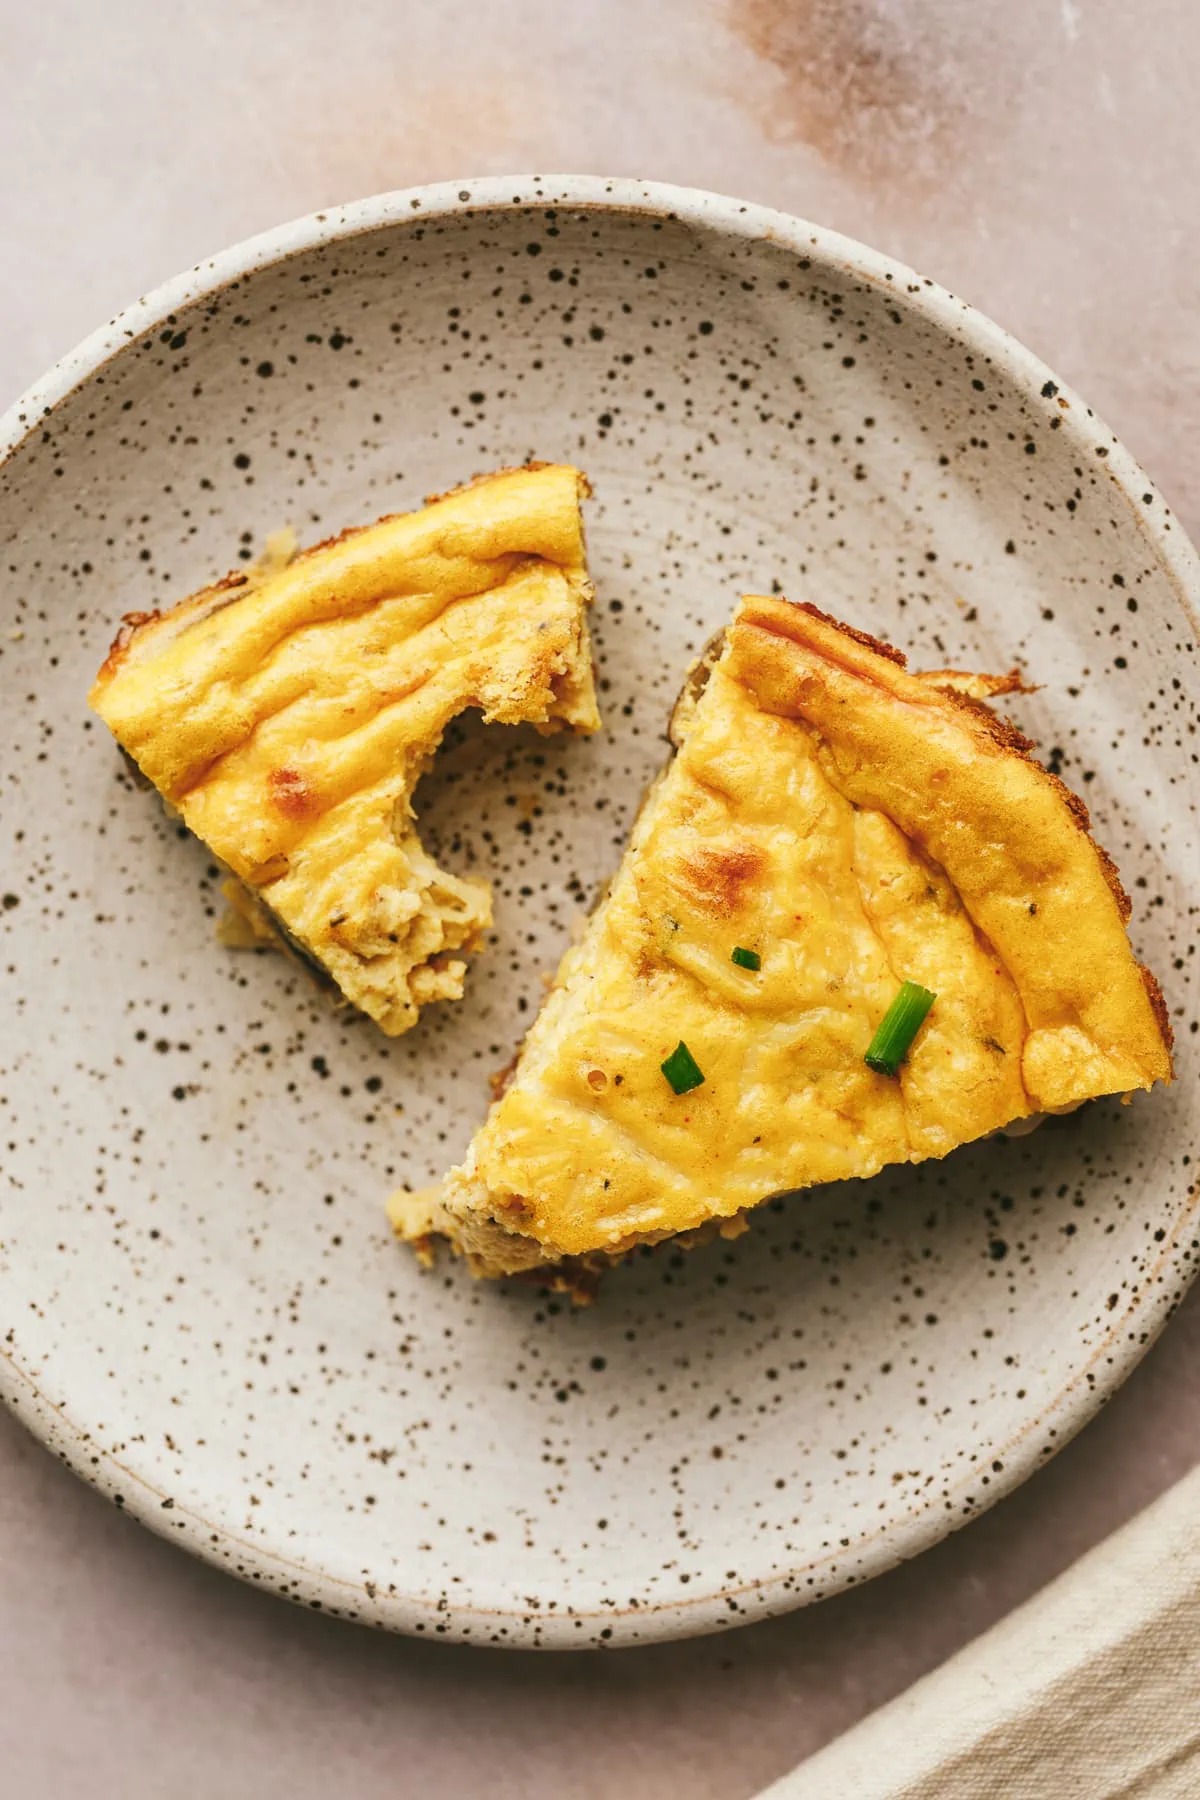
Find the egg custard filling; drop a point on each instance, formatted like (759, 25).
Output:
(856, 925)
(287, 718)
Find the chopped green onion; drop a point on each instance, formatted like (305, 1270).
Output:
(897, 1029)
(682, 1070)
(746, 959)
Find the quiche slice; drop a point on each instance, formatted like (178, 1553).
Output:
(288, 718)
(830, 829)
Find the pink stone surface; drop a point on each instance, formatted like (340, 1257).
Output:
(1041, 157)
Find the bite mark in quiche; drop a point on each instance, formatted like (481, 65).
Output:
(847, 827)
(288, 719)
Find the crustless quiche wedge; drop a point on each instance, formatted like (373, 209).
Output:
(288, 719)
(856, 925)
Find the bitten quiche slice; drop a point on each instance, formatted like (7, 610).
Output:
(289, 718)
(830, 829)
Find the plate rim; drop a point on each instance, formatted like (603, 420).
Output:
(321, 1588)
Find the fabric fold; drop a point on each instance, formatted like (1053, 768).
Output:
(1089, 1691)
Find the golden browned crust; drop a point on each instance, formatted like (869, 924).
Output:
(1159, 1006)
(483, 476)
(974, 686)
(1004, 733)
(862, 638)
(999, 729)
(131, 623)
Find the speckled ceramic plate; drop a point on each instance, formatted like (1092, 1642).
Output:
(200, 1308)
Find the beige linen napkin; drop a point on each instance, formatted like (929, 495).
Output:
(1090, 1691)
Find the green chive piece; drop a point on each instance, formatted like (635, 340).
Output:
(897, 1029)
(746, 959)
(682, 1070)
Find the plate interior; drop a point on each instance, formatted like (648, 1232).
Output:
(198, 1296)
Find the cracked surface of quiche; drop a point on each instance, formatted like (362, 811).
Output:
(848, 826)
(289, 718)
